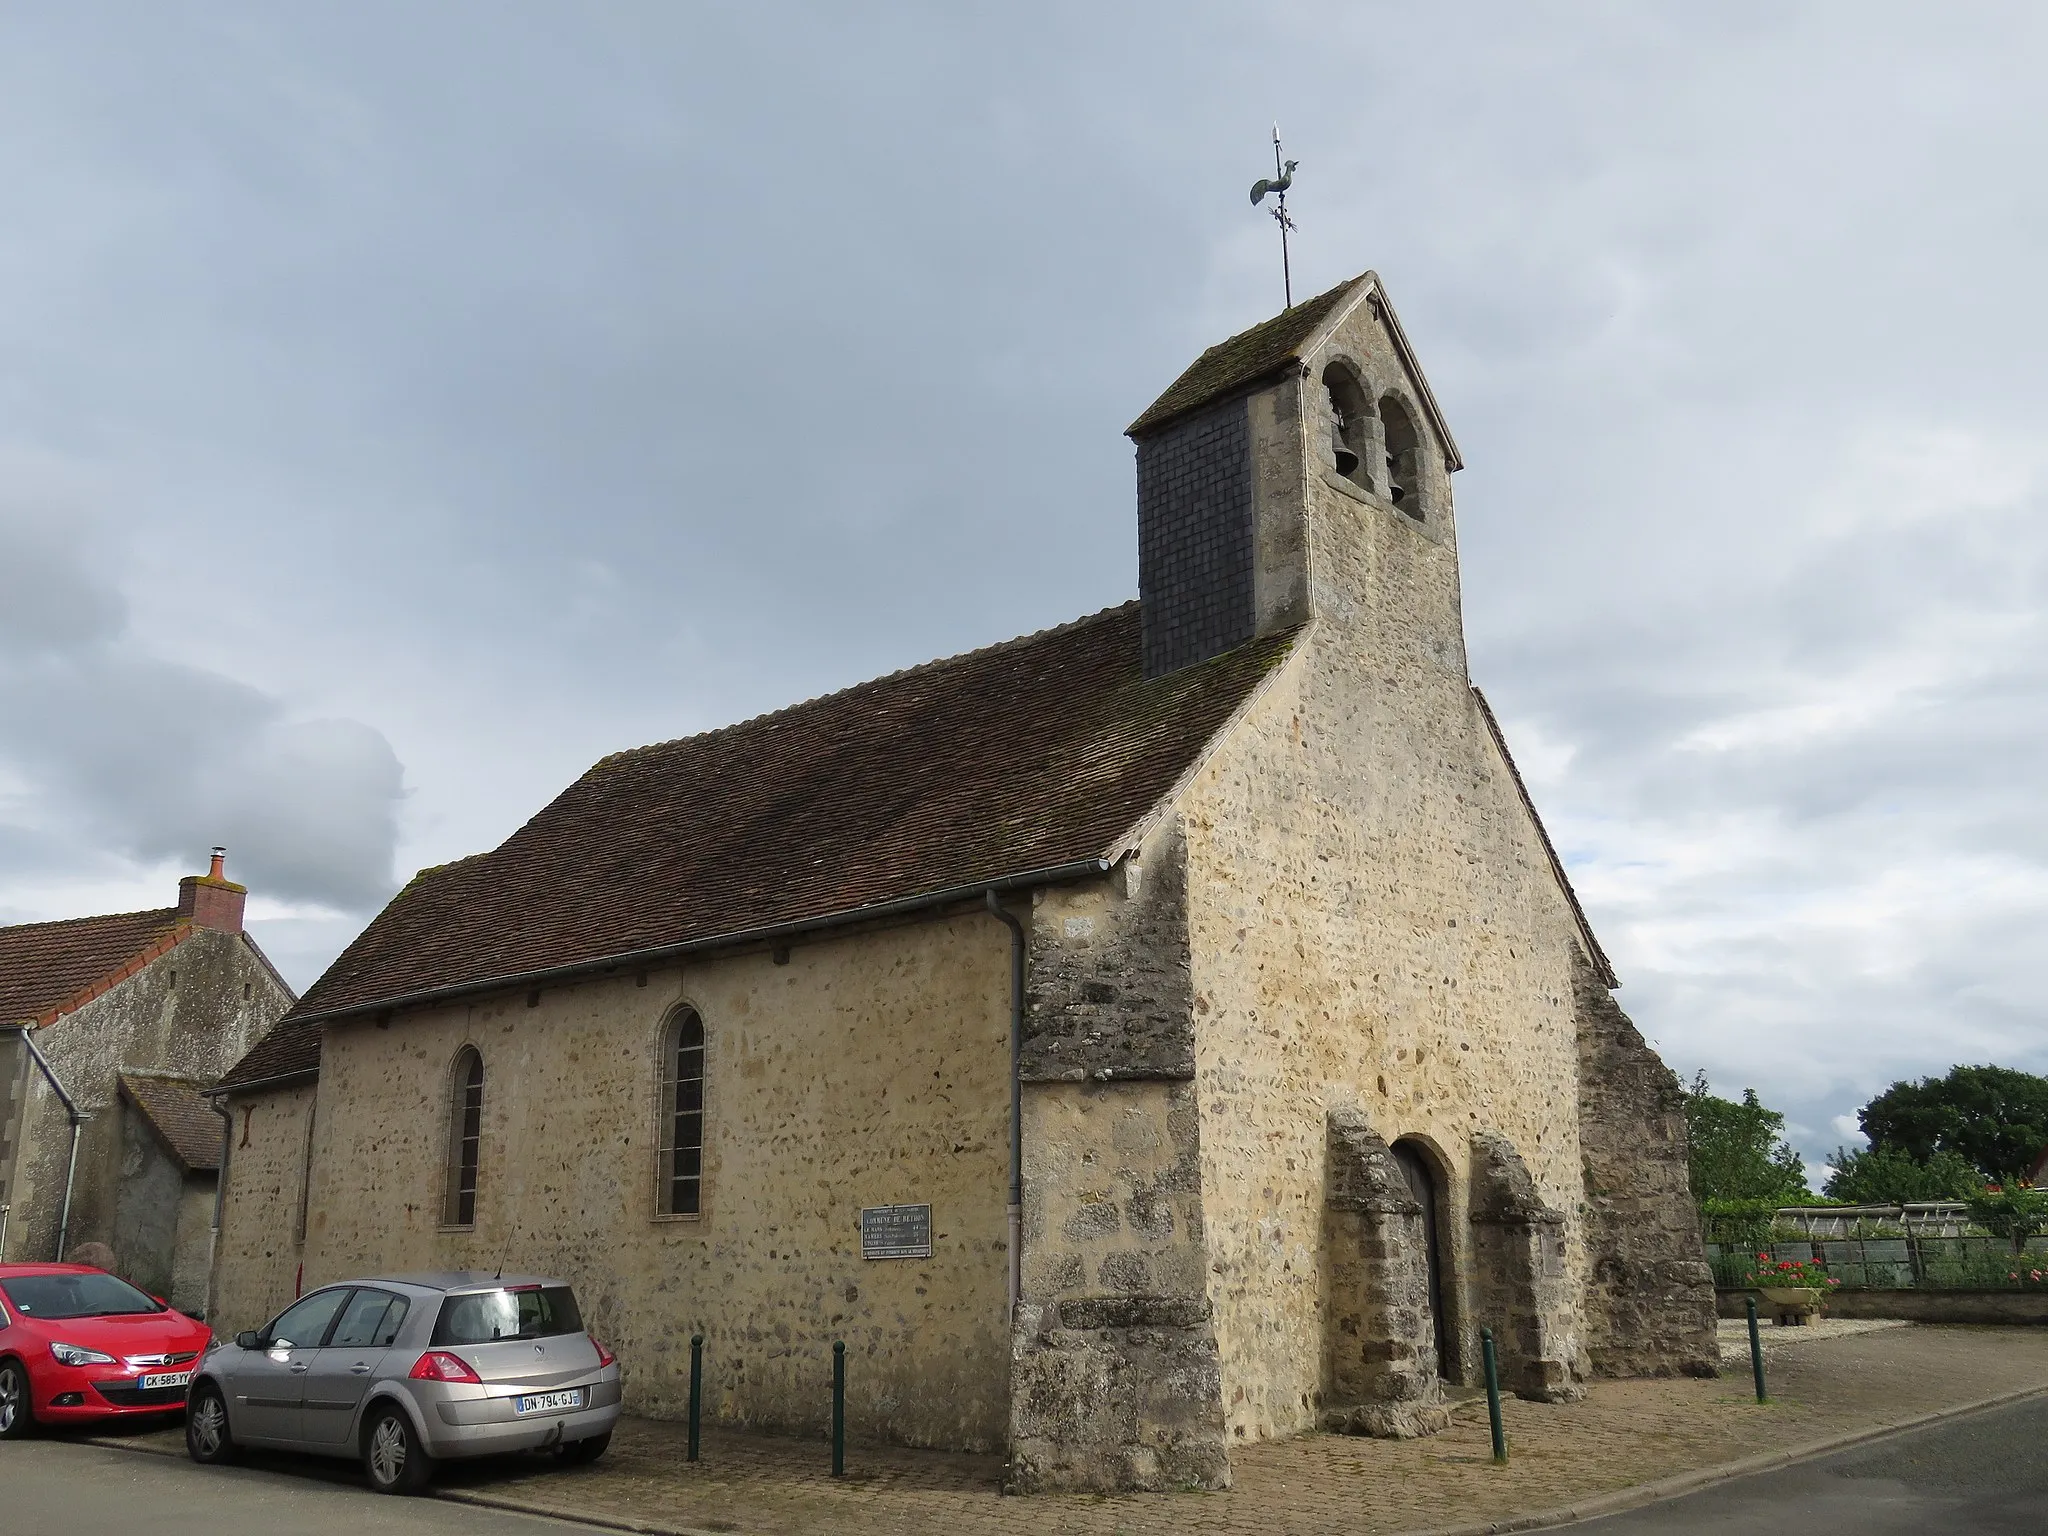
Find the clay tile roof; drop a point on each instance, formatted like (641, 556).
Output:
(1245, 359)
(45, 966)
(290, 1050)
(1026, 756)
(173, 1105)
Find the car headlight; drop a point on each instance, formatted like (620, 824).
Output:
(74, 1354)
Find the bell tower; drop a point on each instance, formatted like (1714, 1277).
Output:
(1261, 465)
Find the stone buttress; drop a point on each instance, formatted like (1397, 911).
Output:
(1115, 1380)
(1381, 1334)
(1650, 1300)
(1519, 1249)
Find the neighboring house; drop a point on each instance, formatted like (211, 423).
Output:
(1313, 1070)
(131, 1015)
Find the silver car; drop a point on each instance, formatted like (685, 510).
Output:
(404, 1370)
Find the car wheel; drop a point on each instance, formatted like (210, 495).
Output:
(17, 1413)
(393, 1458)
(207, 1438)
(576, 1452)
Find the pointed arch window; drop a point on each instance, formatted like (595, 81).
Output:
(465, 1137)
(680, 1177)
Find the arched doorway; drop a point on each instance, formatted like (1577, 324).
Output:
(1422, 1184)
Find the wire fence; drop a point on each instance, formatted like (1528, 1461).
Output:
(1893, 1261)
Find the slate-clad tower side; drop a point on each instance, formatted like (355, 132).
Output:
(1195, 537)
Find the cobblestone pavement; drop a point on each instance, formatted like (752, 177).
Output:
(1625, 1433)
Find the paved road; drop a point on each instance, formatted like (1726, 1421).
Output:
(53, 1487)
(1983, 1475)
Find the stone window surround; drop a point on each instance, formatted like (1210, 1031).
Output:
(664, 1049)
(455, 1098)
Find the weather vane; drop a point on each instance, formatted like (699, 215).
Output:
(1283, 178)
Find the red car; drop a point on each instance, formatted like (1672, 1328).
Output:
(77, 1344)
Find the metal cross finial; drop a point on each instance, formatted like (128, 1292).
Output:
(1283, 178)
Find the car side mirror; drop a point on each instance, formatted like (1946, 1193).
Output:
(249, 1340)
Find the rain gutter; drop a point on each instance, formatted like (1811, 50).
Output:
(78, 1119)
(1016, 1202)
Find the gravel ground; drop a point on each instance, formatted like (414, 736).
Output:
(1734, 1334)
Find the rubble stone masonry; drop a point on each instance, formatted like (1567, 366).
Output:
(1650, 1298)
(869, 1069)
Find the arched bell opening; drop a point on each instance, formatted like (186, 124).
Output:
(1403, 457)
(1353, 444)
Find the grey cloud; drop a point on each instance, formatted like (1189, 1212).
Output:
(118, 749)
(551, 383)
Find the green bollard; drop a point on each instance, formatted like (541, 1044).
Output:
(839, 1408)
(1500, 1436)
(696, 1388)
(1756, 1350)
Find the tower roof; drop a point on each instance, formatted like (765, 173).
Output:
(1266, 351)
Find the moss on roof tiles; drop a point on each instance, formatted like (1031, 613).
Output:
(1244, 359)
(1030, 754)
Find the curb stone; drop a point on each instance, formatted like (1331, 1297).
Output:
(601, 1522)
(1640, 1494)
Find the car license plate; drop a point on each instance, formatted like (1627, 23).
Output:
(548, 1402)
(165, 1379)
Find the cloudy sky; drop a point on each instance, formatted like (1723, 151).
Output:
(403, 405)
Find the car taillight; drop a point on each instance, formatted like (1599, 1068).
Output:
(604, 1356)
(439, 1365)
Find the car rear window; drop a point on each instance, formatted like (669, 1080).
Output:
(99, 1295)
(514, 1312)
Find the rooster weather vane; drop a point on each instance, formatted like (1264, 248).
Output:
(1283, 178)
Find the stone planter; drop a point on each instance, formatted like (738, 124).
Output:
(1793, 1305)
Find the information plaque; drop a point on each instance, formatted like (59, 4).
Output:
(896, 1232)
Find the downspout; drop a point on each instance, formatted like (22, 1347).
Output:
(1016, 1206)
(78, 1119)
(219, 1105)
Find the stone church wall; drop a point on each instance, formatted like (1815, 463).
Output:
(1115, 1371)
(1374, 926)
(1410, 965)
(869, 1069)
(262, 1213)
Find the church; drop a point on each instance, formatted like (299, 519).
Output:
(1154, 1035)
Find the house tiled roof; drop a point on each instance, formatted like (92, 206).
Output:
(290, 1050)
(1243, 360)
(48, 968)
(188, 1126)
(1026, 756)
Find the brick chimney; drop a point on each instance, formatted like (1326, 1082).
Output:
(212, 900)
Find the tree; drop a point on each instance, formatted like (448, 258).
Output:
(2014, 1213)
(1995, 1118)
(1739, 1151)
(1889, 1176)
